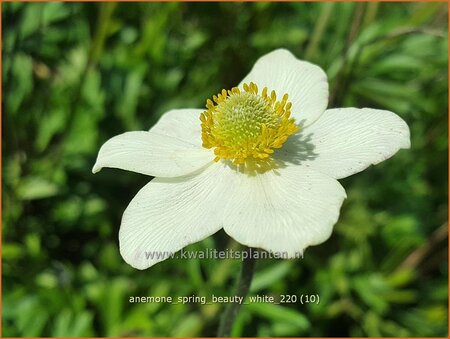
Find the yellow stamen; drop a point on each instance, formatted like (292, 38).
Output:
(244, 124)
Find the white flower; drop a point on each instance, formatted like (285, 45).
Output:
(262, 164)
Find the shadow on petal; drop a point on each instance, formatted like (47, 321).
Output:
(296, 150)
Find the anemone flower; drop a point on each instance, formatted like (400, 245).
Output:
(261, 162)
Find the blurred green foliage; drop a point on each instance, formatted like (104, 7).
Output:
(76, 74)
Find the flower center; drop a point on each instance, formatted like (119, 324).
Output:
(245, 124)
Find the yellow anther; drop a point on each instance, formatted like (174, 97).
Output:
(245, 124)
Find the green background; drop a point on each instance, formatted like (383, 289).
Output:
(76, 74)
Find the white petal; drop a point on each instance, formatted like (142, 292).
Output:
(284, 211)
(169, 214)
(183, 124)
(152, 154)
(305, 83)
(346, 141)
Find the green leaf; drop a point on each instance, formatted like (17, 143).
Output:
(269, 276)
(277, 313)
(32, 188)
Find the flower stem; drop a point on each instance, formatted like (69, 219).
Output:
(243, 286)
